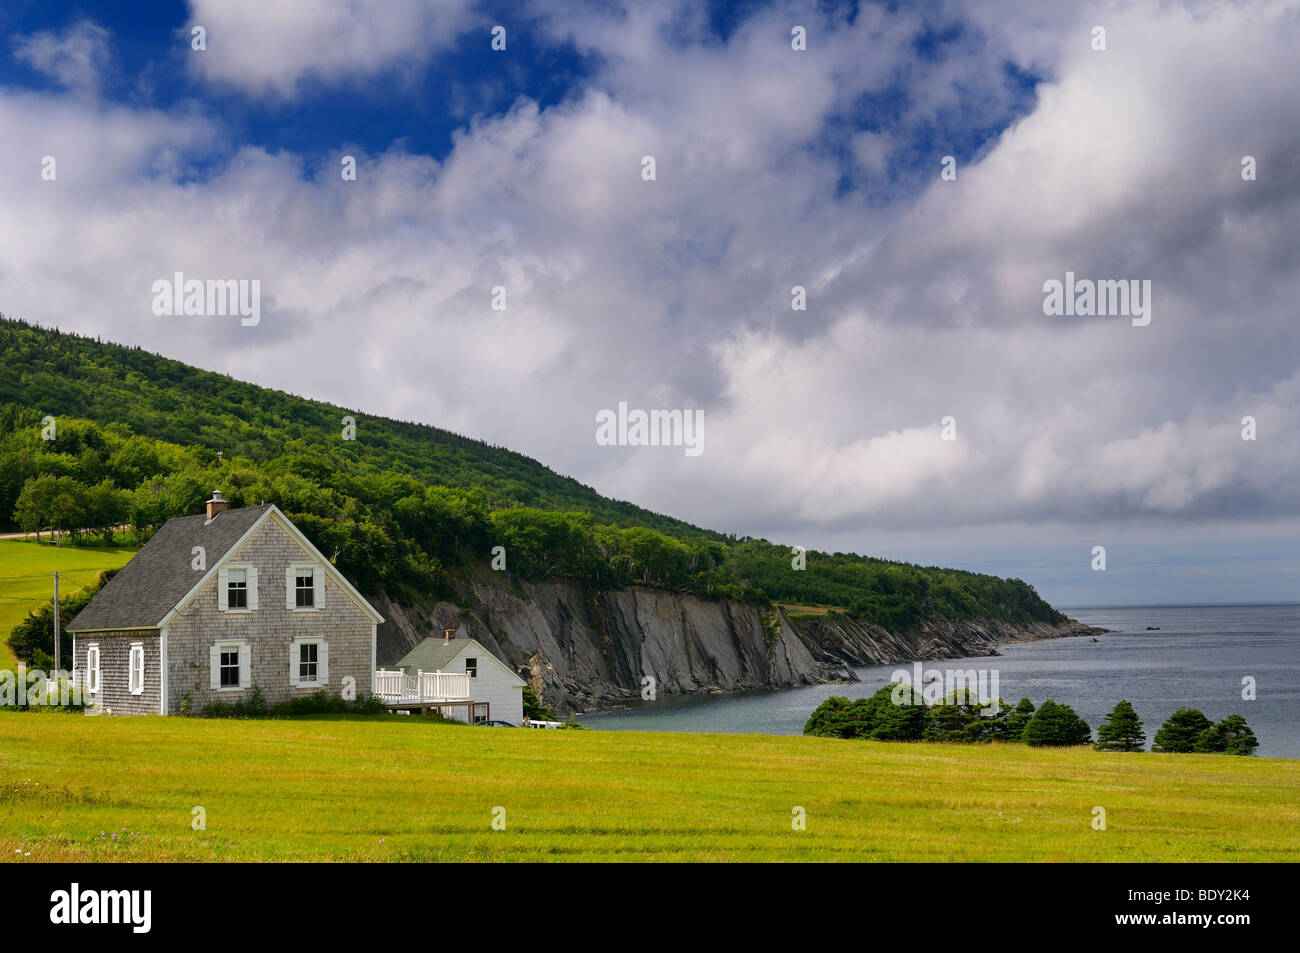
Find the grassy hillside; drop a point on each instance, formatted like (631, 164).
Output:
(393, 789)
(27, 579)
(405, 509)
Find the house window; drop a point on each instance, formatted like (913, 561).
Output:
(237, 589)
(482, 711)
(308, 662)
(135, 669)
(471, 667)
(302, 587)
(229, 666)
(92, 669)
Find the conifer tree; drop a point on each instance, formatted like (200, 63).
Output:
(1230, 736)
(1182, 731)
(1018, 718)
(1056, 725)
(1122, 730)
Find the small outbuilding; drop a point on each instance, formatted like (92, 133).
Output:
(497, 692)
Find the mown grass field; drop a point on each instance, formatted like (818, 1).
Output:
(27, 571)
(391, 788)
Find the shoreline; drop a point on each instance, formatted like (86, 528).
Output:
(838, 648)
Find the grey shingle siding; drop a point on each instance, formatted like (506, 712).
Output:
(114, 694)
(269, 631)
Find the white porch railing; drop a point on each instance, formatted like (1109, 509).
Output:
(422, 687)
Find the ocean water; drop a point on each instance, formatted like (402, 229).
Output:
(1198, 658)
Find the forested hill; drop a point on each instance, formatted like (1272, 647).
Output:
(157, 397)
(405, 509)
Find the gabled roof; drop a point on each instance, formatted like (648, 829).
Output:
(159, 581)
(434, 654)
(159, 575)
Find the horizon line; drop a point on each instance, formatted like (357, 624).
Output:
(1180, 605)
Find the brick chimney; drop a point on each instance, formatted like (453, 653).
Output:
(216, 505)
(448, 635)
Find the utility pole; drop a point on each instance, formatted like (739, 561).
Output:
(56, 624)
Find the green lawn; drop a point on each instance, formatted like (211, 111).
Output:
(27, 571)
(390, 788)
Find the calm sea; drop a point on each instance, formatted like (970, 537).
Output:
(1198, 658)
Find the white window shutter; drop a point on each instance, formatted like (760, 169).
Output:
(245, 666)
(223, 589)
(317, 588)
(323, 663)
(252, 587)
(293, 663)
(214, 662)
(290, 585)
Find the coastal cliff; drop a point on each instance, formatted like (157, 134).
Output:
(583, 649)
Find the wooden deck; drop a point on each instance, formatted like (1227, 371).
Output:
(423, 690)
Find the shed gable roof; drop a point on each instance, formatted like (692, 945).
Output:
(434, 654)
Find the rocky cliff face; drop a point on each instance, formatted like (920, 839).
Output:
(583, 649)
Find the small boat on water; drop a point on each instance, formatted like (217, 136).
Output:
(1095, 639)
(1153, 628)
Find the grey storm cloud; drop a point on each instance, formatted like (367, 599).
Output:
(924, 298)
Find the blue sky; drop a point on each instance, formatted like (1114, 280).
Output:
(818, 168)
(419, 110)
(374, 112)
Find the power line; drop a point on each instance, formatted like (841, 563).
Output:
(42, 575)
